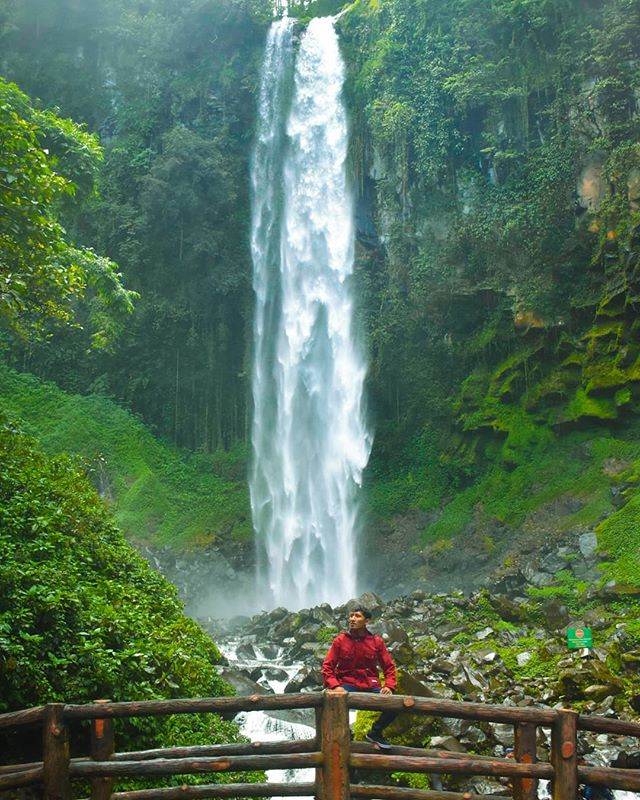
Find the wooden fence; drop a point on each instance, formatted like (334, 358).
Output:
(330, 752)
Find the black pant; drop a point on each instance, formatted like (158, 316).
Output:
(385, 718)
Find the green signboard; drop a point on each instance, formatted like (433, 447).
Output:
(579, 637)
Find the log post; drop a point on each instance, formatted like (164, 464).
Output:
(102, 748)
(55, 747)
(564, 755)
(335, 743)
(525, 752)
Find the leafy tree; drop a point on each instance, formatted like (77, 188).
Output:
(82, 615)
(42, 275)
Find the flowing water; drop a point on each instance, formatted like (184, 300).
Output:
(259, 726)
(310, 441)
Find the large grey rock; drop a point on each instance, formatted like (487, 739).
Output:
(503, 733)
(588, 544)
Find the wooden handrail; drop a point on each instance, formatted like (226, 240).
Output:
(499, 767)
(215, 705)
(26, 777)
(330, 751)
(221, 790)
(404, 793)
(186, 766)
(29, 716)
(452, 708)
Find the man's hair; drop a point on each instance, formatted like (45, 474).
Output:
(364, 611)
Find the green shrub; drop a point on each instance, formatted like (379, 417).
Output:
(82, 615)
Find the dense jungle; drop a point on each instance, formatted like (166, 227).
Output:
(494, 159)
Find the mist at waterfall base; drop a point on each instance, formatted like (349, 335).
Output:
(310, 441)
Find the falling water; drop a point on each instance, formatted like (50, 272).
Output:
(310, 441)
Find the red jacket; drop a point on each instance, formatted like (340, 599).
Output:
(355, 660)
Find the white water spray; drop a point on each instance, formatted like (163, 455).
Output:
(310, 441)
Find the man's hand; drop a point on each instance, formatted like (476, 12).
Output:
(386, 690)
(338, 690)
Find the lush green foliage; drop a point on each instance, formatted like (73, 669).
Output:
(496, 148)
(159, 494)
(170, 87)
(81, 614)
(44, 159)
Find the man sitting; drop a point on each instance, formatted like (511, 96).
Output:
(352, 663)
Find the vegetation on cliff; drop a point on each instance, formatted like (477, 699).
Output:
(158, 495)
(82, 615)
(497, 152)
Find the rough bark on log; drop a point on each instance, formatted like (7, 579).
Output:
(452, 708)
(564, 755)
(30, 716)
(221, 790)
(184, 766)
(467, 766)
(399, 750)
(250, 748)
(55, 762)
(606, 725)
(404, 793)
(14, 780)
(333, 779)
(102, 748)
(214, 705)
(628, 779)
(525, 753)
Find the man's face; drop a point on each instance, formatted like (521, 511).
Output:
(357, 621)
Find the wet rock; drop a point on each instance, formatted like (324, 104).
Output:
(274, 674)
(473, 736)
(443, 666)
(307, 679)
(601, 691)
(409, 684)
(449, 743)
(246, 650)
(552, 562)
(390, 631)
(367, 600)
(588, 544)
(490, 657)
(503, 733)
(509, 610)
(536, 577)
(241, 682)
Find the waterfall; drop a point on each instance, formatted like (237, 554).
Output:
(310, 441)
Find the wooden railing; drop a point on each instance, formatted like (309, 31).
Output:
(330, 751)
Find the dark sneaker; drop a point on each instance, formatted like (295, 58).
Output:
(378, 738)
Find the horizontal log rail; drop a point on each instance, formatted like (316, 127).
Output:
(329, 752)
(15, 780)
(221, 790)
(499, 767)
(404, 793)
(452, 708)
(208, 705)
(186, 766)
(30, 716)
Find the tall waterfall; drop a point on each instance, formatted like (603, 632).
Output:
(310, 441)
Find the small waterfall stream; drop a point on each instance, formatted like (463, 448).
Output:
(310, 441)
(259, 726)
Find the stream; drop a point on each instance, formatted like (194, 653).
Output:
(259, 726)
